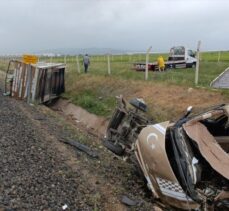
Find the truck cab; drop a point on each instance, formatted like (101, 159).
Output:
(180, 53)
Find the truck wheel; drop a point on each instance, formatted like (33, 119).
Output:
(117, 149)
(193, 65)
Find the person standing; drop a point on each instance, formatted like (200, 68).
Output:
(86, 62)
(161, 63)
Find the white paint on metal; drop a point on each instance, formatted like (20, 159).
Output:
(155, 138)
(152, 135)
(16, 81)
(149, 184)
(207, 115)
(180, 65)
(29, 82)
(43, 65)
(25, 77)
(194, 162)
(160, 128)
(20, 85)
(13, 87)
(34, 86)
(172, 189)
(153, 146)
(174, 194)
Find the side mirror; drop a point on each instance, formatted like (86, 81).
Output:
(182, 119)
(189, 109)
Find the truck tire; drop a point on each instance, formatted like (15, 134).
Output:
(117, 149)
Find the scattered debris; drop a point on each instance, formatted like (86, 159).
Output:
(127, 201)
(186, 163)
(82, 148)
(155, 208)
(190, 90)
(40, 172)
(64, 207)
(6, 94)
(39, 118)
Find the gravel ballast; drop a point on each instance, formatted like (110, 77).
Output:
(38, 171)
(32, 175)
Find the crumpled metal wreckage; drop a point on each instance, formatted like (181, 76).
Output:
(185, 163)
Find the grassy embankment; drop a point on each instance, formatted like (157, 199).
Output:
(167, 94)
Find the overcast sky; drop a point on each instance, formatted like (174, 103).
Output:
(34, 25)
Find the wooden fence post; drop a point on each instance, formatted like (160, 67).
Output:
(147, 63)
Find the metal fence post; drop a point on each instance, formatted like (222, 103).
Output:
(108, 64)
(147, 63)
(219, 54)
(78, 64)
(197, 63)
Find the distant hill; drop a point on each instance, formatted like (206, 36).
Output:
(90, 51)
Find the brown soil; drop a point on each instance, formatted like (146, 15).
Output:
(171, 101)
(165, 101)
(81, 117)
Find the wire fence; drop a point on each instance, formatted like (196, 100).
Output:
(121, 66)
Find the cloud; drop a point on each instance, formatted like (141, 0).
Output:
(30, 25)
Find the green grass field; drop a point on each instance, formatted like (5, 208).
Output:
(95, 91)
(121, 67)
